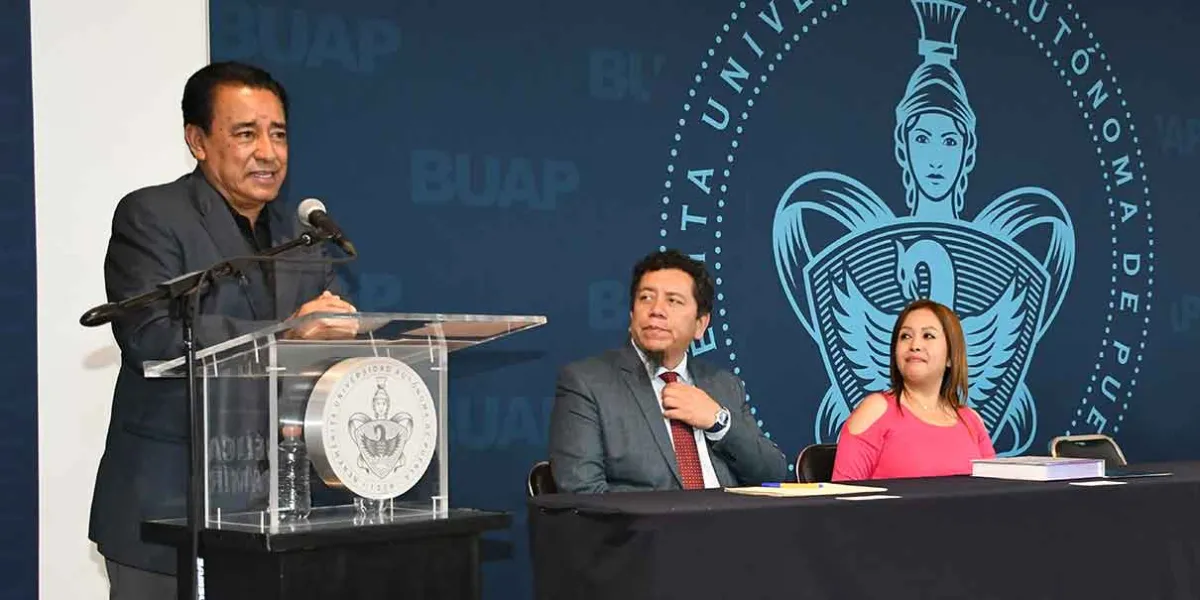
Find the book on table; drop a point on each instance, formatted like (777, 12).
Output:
(1037, 468)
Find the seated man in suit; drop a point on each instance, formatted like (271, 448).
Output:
(235, 125)
(646, 416)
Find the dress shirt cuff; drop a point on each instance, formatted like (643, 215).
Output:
(720, 435)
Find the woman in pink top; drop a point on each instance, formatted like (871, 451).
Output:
(922, 426)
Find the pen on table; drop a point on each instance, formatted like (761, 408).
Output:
(792, 485)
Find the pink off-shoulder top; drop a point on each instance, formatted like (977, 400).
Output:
(899, 444)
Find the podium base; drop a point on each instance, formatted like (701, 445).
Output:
(433, 558)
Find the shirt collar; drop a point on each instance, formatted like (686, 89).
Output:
(263, 219)
(655, 370)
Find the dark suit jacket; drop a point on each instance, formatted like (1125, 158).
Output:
(607, 431)
(158, 233)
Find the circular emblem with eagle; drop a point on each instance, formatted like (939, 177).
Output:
(371, 427)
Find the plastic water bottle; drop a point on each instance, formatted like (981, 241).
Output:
(295, 501)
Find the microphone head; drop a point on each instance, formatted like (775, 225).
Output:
(306, 208)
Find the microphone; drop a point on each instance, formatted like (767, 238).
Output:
(312, 213)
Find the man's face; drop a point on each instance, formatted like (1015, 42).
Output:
(664, 318)
(244, 154)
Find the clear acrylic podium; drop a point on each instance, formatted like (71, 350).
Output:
(367, 401)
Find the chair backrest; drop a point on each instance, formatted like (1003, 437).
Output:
(540, 480)
(815, 463)
(1092, 445)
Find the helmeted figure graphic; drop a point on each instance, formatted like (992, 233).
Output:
(1005, 273)
(381, 439)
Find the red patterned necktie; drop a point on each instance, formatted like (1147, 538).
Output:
(684, 441)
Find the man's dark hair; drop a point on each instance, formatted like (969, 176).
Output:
(201, 88)
(702, 283)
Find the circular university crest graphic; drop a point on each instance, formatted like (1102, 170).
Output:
(845, 261)
(370, 426)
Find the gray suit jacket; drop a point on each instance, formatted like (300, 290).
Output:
(158, 233)
(607, 432)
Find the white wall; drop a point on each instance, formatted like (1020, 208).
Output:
(107, 81)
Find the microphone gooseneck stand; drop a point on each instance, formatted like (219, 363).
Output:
(182, 294)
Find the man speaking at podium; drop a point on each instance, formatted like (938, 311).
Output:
(235, 125)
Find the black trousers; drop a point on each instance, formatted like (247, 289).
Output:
(128, 583)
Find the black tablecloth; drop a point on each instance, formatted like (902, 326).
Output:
(951, 537)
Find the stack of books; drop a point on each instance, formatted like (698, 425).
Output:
(1038, 468)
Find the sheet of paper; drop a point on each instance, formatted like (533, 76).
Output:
(1097, 482)
(790, 490)
(870, 497)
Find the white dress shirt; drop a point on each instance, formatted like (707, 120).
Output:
(710, 475)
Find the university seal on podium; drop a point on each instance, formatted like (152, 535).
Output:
(371, 427)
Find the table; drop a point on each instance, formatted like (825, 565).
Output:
(389, 557)
(950, 537)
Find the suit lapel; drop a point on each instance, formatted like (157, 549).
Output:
(642, 391)
(702, 378)
(223, 231)
(287, 275)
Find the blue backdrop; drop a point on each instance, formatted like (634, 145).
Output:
(1032, 163)
(1029, 163)
(18, 293)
